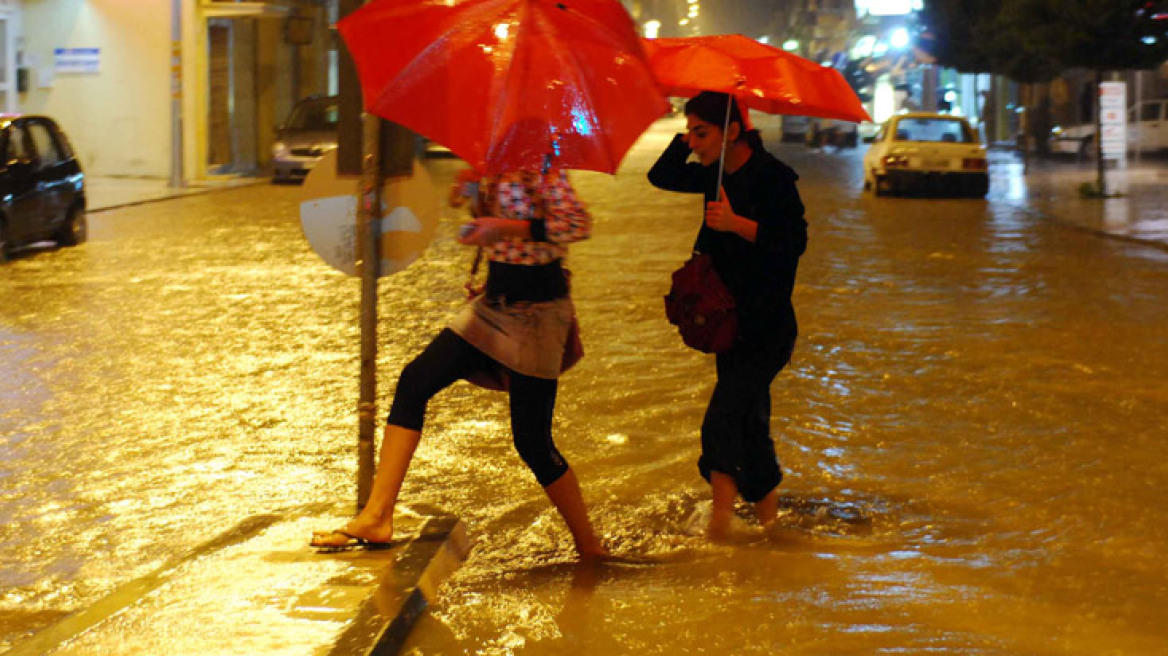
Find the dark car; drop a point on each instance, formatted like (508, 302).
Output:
(42, 188)
(309, 133)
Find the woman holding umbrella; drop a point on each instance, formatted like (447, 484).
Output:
(513, 336)
(754, 232)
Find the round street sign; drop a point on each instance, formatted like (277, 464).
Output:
(328, 217)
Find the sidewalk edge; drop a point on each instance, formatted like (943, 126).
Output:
(174, 196)
(442, 546)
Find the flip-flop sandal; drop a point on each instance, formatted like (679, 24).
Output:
(351, 543)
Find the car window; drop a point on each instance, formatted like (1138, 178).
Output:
(44, 144)
(314, 117)
(1150, 112)
(64, 148)
(17, 148)
(933, 130)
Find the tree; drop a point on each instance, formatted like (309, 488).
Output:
(1107, 35)
(1036, 40)
(956, 33)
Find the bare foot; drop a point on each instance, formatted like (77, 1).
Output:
(730, 530)
(593, 554)
(360, 527)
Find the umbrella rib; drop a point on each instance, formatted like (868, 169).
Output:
(460, 36)
(583, 86)
(523, 7)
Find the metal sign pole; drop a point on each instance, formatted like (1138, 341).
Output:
(360, 141)
(368, 265)
(378, 150)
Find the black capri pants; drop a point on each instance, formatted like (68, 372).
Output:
(533, 400)
(736, 432)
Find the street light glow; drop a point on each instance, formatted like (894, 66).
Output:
(790, 45)
(652, 28)
(899, 38)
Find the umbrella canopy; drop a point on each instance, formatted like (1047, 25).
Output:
(761, 77)
(499, 81)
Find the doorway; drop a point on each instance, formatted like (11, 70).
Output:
(8, 88)
(231, 94)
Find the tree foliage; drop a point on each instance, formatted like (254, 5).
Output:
(1035, 40)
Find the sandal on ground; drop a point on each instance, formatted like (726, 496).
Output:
(320, 542)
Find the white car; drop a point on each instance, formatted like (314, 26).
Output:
(933, 153)
(1147, 131)
(309, 133)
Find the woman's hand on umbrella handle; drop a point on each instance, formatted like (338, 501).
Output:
(488, 230)
(721, 217)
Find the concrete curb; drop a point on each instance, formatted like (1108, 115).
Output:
(439, 549)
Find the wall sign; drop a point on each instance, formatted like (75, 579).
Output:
(85, 61)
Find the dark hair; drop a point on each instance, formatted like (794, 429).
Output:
(710, 106)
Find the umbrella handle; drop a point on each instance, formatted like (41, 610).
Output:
(722, 155)
(725, 128)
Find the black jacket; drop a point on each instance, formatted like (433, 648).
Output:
(761, 274)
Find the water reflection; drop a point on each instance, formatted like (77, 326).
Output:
(971, 427)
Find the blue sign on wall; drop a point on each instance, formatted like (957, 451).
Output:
(77, 60)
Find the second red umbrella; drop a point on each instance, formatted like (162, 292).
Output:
(498, 81)
(762, 77)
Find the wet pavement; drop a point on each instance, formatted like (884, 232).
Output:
(971, 433)
(1136, 207)
(256, 589)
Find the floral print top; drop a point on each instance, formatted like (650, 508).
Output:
(518, 195)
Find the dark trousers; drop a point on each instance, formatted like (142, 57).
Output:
(533, 400)
(736, 433)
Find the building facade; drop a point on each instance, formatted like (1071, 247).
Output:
(111, 73)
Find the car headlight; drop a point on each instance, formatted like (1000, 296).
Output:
(279, 150)
(896, 161)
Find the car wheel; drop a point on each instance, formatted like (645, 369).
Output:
(3, 242)
(75, 230)
(1087, 149)
(881, 186)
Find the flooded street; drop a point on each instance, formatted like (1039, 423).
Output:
(971, 429)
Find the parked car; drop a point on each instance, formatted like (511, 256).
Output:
(795, 128)
(1147, 131)
(828, 132)
(309, 133)
(936, 153)
(42, 187)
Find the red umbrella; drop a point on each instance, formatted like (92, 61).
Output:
(499, 81)
(762, 77)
